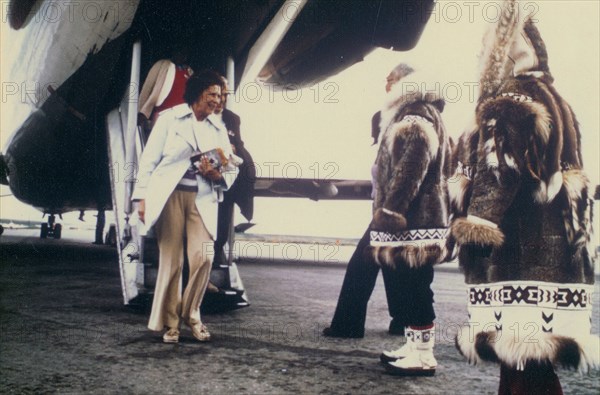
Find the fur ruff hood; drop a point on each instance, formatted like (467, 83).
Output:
(417, 87)
(512, 46)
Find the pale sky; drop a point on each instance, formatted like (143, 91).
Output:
(308, 127)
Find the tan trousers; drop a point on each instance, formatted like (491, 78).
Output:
(180, 216)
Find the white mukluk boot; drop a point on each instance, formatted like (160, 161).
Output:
(418, 359)
(399, 353)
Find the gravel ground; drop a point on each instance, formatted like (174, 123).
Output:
(63, 329)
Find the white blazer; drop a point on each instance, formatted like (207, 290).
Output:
(166, 158)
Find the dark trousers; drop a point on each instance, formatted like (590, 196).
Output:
(100, 222)
(536, 378)
(223, 223)
(415, 297)
(408, 292)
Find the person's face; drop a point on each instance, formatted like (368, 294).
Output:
(207, 102)
(223, 103)
(391, 79)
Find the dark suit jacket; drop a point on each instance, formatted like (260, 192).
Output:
(375, 130)
(242, 190)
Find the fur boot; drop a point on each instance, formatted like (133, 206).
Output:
(416, 356)
(399, 353)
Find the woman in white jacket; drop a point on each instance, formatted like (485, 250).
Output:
(177, 197)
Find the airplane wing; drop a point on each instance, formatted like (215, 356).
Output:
(331, 189)
(328, 37)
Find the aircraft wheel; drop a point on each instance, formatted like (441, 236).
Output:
(57, 231)
(111, 236)
(44, 231)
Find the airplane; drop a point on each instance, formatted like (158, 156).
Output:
(78, 148)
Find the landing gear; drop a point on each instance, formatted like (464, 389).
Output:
(44, 231)
(51, 229)
(57, 231)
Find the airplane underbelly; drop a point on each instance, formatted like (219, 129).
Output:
(58, 166)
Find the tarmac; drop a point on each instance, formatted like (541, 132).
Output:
(64, 329)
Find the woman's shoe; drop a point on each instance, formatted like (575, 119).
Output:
(171, 336)
(200, 332)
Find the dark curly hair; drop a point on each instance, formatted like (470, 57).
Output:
(198, 83)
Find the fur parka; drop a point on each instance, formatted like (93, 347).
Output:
(410, 219)
(523, 212)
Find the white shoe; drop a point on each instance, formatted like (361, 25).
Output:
(418, 363)
(394, 355)
(417, 355)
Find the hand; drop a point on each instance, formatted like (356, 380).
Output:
(142, 210)
(207, 171)
(224, 160)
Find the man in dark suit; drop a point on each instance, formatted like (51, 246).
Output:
(242, 190)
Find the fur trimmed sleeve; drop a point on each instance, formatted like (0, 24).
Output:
(501, 152)
(412, 146)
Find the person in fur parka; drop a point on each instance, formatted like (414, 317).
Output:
(523, 209)
(410, 219)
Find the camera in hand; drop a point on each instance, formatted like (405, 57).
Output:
(216, 158)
